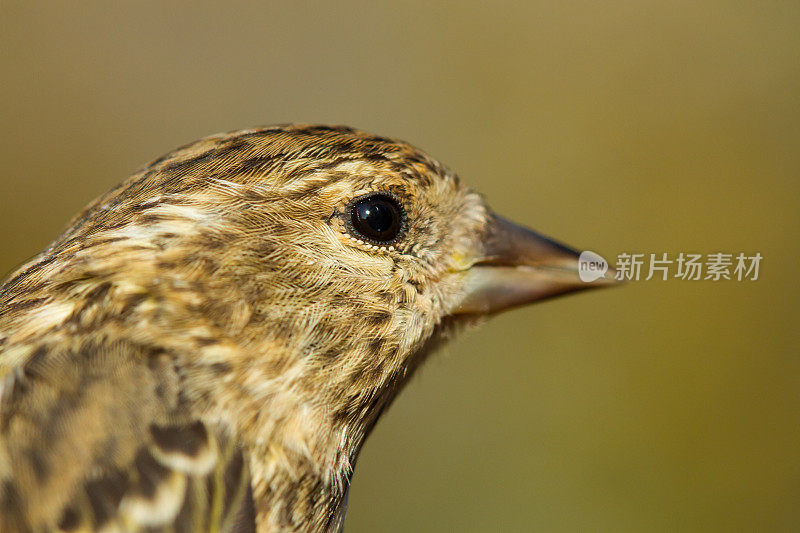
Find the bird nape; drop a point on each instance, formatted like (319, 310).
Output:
(208, 345)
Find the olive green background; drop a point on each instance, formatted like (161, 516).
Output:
(615, 126)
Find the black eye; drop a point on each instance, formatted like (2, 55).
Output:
(377, 218)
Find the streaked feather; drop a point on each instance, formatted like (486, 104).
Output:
(135, 463)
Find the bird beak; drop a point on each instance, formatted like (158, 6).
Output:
(517, 266)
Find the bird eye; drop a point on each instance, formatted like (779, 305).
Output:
(377, 218)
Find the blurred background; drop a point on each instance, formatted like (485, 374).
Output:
(645, 127)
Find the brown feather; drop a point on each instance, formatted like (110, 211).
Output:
(208, 345)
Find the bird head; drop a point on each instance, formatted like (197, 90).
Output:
(313, 264)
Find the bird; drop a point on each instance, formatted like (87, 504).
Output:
(207, 346)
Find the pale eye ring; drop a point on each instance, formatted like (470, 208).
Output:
(377, 218)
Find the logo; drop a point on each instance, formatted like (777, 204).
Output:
(591, 266)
